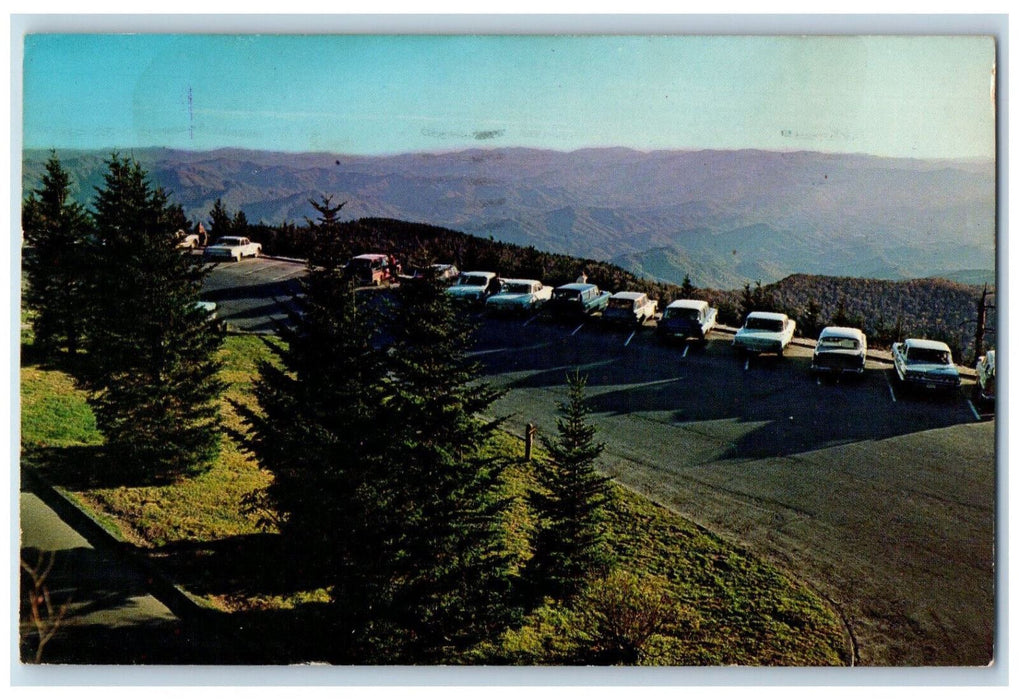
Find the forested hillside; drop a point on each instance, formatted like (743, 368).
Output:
(723, 218)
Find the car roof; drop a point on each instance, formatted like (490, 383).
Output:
(770, 315)
(519, 281)
(477, 272)
(577, 286)
(926, 344)
(629, 295)
(842, 332)
(687, 304)
(370, 256)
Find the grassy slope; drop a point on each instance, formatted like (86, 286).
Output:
(733, 608)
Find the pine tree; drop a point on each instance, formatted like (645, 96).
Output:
(151, 369)
(569, 503)
(450, 580)
(687, 291)
(320, 431)
(221, 224)
(56, 231)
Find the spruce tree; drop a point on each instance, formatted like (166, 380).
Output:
(56, 232)
(151, 369)
(569, 545)
(320, 432)
(450, 581)
(688, 290)
(221, 224)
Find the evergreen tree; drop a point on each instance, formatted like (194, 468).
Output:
(220, 221)
(687, 290)
(56, 232)
(450, 586)
(569, 543)
(151, 370)
(320, 432)
(239, 225)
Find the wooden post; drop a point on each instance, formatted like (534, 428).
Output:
(529, 441)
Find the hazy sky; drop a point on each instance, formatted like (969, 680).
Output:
(927, 97)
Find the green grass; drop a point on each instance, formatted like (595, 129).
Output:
(724, 606)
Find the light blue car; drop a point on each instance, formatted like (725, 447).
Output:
(518, 296)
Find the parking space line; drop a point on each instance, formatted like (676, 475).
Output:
(577, 329)
(530, 319)
(686, 349)
(890, 389)
(973, 408)
(629, 339)
(746, 367)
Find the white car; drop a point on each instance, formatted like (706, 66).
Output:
(518, 296)
(188, 241)
(233, 248)
(629, 308)
(840, 350)
(983, 390)
(764, 331)
(474, 287)
(687, 318)
(925, 363)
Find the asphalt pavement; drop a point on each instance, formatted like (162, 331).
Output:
(882, 501)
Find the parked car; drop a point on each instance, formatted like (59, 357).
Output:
(186, 240)
(840, 350)
(630, 308)
(764, 331)
(926, 364)
(209, 307)
(984, 389)
(578, 298)
(474, 287)
(518, 296)
(446, 273)
(372, 269)
(687, 318)
(232, 248)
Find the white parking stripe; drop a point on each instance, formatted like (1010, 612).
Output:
(890, 389)
(629, 339)
(973, 408)
(530, 319)
(686, 349)
(577, 329)
(746, 367)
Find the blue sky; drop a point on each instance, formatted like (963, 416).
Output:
(926, 97)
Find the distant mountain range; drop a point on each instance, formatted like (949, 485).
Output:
(722, 217)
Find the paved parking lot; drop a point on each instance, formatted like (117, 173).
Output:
(882, 502)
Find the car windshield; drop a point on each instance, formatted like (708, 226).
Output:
(621, 303)
(517, 288)
(472, 281)
(928, 356)
(688, 314)
(832, 342)
(764, 324)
